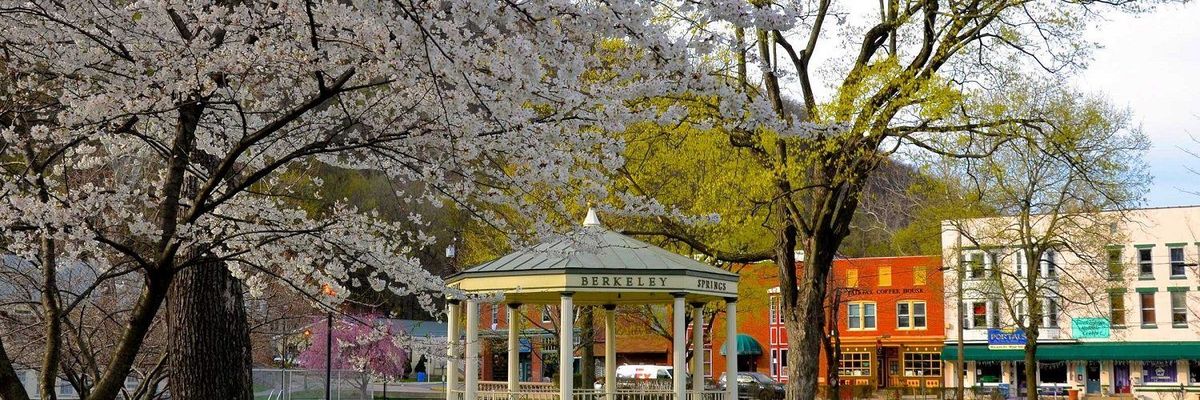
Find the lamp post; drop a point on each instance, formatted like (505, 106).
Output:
(328, 355)
(328, 290)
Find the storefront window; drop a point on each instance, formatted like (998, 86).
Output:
(1193, 371)
(988, 371)
(855, 364)
(1158, 371)
(1053, 372)
(922, 364)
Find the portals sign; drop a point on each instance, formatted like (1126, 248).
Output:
(1006, 339)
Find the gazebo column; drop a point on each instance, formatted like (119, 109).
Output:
(514, 349)
(471, 392)
(610, 351)
(452, 350)
(698, 348)
(731, 352)
(566, 347)
(679, 361)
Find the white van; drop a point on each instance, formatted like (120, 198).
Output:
(645, 372)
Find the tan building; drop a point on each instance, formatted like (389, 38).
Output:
(1121, 316)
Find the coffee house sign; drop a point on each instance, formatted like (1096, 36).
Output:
(651, 282)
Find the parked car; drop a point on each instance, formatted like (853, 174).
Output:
(756, 386)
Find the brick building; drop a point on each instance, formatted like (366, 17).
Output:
(889, 319)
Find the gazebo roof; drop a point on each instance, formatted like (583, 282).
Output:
(600, 266)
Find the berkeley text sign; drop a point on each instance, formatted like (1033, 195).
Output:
(1006, 339)
(652, 282)
(624, 281)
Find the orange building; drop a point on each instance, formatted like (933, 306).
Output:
(890, 321)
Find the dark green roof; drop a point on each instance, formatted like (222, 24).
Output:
(746, 346)
(595, 249)
(1083, 351)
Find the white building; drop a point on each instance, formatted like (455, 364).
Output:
(1121, 316)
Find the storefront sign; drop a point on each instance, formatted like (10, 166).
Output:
(1006, 339)
(860, 292)
(1090, 328)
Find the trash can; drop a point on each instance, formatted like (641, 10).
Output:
(421, 377)
(1072, 394)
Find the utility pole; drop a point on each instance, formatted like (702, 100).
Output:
(328, 354)
(959, 390)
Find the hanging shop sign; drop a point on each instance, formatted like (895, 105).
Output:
(1090, 328)
(1006, 339)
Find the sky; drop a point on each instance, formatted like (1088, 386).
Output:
(1150, 63)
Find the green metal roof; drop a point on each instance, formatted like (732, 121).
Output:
(595, 249)
(1084, 351)
(746, 346)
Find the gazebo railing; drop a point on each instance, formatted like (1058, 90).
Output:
(593, 394)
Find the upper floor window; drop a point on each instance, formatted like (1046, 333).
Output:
(1179, 309)
(1050, 313)
(861, 315)
(920, 276)
(1050, 264)
(976, 315)
(1177, 265)
(910, 315)
(852, 278)
(885, 276)
(495, 314)
(1115, 268)
(773, 310)
(546, 315)
(975, 268)
(1145, 264)
(1147, 300)
(1116, 308)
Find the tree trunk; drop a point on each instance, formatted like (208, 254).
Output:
(833, 346)
(1031, 367)
(209, 350)
(10, 383)
(48, 380)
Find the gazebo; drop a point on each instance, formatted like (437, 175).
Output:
(591, 266)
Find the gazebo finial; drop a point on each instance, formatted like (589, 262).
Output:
(591, 219)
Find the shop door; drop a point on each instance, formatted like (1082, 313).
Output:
(1093, 377)
(1019, 378)
(1121, 376)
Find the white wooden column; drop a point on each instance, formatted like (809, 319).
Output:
(698, 348)
(514, 348)
(471, 370)
(679, 361)
(610, 351)
(731, 352)
(566, 347)
(453, 359)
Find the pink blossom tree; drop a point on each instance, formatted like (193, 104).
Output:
(366, 343)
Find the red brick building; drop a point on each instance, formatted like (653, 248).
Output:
(890, 322)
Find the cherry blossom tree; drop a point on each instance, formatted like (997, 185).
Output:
(364, 343)
(168, 140)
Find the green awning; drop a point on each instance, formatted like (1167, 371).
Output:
(1084, 351)
(746, 346)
